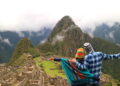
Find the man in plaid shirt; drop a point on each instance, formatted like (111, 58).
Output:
(93, 62)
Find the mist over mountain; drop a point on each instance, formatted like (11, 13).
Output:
(9, 39)
(111, 33)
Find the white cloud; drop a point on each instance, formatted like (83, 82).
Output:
(111, 35)
(31, 14)
(43, 41)
(57, 38)
(5, 41)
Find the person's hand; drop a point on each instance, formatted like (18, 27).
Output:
(72, 60)
(51, 59)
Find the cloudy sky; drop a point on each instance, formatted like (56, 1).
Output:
(31, 14)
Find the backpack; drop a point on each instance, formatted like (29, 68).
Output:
(74, 75)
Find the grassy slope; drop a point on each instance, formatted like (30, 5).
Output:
(50, 67)
(20, 61)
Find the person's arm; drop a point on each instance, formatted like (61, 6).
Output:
(110, 56)
(55, 59)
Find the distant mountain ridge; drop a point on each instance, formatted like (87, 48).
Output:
(9, 39)
(108, 33)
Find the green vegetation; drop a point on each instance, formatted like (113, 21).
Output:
(45, 48)
(108, 84)
(110, 67)
(20, 61)
(51, 68)
(33, 51)
(105, 46)
(23, 46)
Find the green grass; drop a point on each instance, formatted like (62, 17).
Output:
(108, 84)
(38, 61)
(20, 61)
(50, 67)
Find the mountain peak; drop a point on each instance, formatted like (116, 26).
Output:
(62, 27)
(67, 20)
(67, 36)
(64, 23)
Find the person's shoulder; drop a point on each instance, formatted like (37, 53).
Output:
(89, 56)
(97, 54)
(94, 54)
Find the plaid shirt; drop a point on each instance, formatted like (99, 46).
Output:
(93, 62)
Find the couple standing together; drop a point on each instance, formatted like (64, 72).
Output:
(91, 61)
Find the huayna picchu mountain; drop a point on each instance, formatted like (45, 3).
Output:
(66, 37)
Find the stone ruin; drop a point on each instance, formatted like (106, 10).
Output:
(28, 75)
